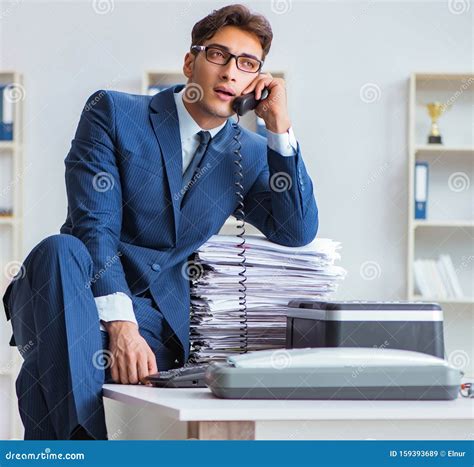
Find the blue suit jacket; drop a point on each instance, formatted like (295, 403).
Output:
(124, 180)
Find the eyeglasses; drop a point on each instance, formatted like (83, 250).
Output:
(221, 57)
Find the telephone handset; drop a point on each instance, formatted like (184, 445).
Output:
(243, 104)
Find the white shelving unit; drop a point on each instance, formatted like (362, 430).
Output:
(11, 227)
(449, 226)
(169, 78)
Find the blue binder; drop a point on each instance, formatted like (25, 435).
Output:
(6, 116)
(1, 111)
(421, 189)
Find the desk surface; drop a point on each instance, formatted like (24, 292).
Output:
(199, 404)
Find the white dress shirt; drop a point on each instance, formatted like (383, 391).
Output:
(118, 306)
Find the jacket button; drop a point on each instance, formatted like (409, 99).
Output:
(156, 267)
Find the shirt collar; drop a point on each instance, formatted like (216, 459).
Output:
(187, 125)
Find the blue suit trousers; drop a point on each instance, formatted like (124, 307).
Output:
(56, 329)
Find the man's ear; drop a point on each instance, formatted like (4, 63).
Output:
(188, 65)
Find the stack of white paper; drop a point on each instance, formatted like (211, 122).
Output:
(275, 275)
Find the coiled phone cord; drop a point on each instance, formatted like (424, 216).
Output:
(240, 216)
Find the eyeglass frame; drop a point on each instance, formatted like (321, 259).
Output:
(204, 48)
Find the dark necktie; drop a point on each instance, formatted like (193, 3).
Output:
(205, 137)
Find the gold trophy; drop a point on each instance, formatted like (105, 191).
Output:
(435, 110)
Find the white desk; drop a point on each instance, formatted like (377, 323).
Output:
(208, 417)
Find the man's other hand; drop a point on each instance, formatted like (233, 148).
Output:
(132, 357)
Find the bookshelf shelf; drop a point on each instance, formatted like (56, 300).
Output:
(7, 220)
(450, 213)
(160, 79)
(449, 224)
(432, 77)
(441, 149)
(8, 145)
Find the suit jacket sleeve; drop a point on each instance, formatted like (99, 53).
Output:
(281, 203)
(94, 193)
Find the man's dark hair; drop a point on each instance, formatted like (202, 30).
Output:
(234, 15)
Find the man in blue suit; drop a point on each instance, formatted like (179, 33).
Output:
(149, 180)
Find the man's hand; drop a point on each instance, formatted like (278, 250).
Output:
(273, 109)
(132, 358)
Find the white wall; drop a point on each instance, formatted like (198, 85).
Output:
(356, 152)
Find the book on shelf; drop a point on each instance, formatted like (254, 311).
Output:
(6, 113)
(421, 189)
(437, 278)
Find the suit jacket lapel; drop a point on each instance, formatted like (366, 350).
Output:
(164, 119)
